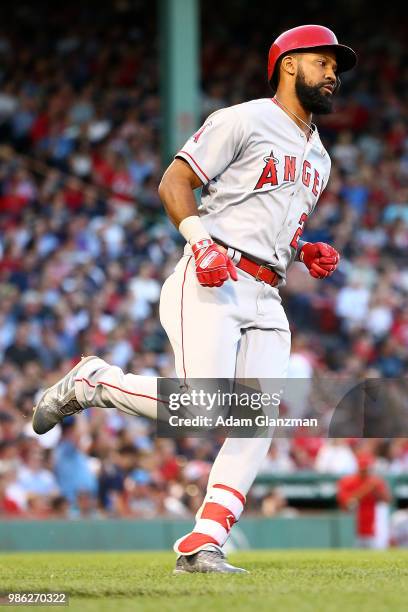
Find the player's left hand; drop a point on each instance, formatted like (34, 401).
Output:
(320, 258)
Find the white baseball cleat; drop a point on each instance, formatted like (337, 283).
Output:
(58, 401)
(209, 560)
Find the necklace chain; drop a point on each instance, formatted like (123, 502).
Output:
(311, 126)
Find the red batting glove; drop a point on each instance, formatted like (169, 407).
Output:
(320, 258)
(213, 267)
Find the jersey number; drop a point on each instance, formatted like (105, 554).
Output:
(295, 240)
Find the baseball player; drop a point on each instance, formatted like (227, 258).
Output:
(262, 169)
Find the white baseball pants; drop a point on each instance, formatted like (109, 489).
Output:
(238, 330)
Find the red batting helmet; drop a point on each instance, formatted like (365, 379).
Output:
(309, 37)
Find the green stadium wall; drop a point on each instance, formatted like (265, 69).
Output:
(332, 530)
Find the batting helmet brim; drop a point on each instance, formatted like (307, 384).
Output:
(345, 56)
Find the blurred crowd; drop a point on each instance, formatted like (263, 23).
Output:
(85, 247)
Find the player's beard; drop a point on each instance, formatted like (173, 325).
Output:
(311, 97)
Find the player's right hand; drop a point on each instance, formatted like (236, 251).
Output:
(213, 267)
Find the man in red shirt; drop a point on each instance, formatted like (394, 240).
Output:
(362, 492)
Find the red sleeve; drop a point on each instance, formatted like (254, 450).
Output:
(344, 491)
(382, 490)
(10, 506)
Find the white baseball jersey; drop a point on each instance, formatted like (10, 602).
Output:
(262, 178)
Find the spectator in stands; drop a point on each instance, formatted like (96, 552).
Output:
(335, 457)
(21, 351)
(85, 506)
(72, 465)
(34, 477)
(278, 459)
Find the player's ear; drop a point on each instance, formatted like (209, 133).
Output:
(289, 64)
